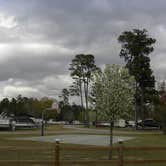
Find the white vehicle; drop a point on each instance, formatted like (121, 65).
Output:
(117, 123)
(76, 122)
(120, 123)
(131, 123)
(7, 122)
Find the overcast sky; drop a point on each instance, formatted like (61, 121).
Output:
(39, 38)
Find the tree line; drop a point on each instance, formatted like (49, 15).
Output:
(33, 107)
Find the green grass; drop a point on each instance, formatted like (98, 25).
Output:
(45, 151)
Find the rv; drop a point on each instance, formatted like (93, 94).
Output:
(7, 122)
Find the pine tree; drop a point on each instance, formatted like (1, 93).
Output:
(136, 47)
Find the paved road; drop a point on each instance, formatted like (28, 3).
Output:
(100, 140)
(75, 136)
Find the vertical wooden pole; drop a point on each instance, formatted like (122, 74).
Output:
(57, 153)
(120, 154)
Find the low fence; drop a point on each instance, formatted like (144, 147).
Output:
(119, 161)
(16, 158)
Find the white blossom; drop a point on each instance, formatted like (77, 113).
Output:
(115, 90)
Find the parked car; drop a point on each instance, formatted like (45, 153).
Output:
(102, 124)
(130, 123)
(61, 122)
(117, 123)
(149, 124)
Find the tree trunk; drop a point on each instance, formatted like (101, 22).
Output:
(96, 118)
(137, 107)
(86, 104)
(111, 140)
(83, 113)
(87, 91)
(136, 117)
(142, 108)
(164, 131)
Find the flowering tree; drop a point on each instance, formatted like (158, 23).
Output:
(114, 92)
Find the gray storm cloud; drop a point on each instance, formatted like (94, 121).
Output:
(39, 39)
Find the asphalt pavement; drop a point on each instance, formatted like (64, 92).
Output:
(100, 140)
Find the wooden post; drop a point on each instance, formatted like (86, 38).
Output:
(120, 154)
(57, 153)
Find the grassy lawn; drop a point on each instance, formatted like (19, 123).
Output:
(45, 151)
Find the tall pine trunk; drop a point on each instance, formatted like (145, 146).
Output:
(86, 104)
(87, 107)
(82, 105)
(136, 109)
(142, 108)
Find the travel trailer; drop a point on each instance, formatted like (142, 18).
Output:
(12, 123)
(7, 122)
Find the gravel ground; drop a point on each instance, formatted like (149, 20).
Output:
(100, 140)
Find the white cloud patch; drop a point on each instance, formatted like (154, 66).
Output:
(11, 91)
(159, 66)
(7, 21)
(56, 83)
